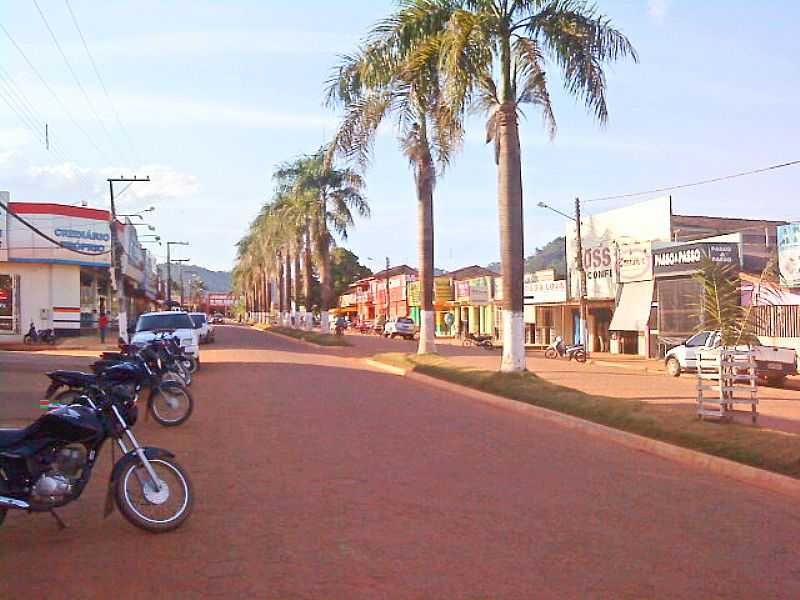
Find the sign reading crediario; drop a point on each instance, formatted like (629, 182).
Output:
(687, 258)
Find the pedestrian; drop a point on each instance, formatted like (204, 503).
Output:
(103, 324)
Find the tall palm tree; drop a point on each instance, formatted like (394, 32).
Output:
(492, 56)
(378, 82)
(329, 195)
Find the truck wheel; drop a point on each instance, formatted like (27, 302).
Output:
(673, 367)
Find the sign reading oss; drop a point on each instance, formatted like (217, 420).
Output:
(598, 261)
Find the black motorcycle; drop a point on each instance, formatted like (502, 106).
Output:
(45, 336)
(49, 463)
(168, 401)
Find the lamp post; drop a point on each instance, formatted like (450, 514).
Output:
(139, 214)
(169, 270)
(584, 334)
(116, 263)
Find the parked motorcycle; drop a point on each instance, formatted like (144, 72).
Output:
(168, 401)
(483, 341)
(49, 463)
(45, 336)
(558, 349)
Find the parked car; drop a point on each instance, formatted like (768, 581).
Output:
(203, 324)
(401, 326)
(772, 364)
(178, 323)
(217, 318)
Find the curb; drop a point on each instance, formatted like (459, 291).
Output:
(754, 476)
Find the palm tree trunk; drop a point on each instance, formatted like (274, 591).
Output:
(287, 267)
(281, 305)
(298, 280)
(307, 273)
(265, 293)
(509, 200)
(425, 182)
(324, 253)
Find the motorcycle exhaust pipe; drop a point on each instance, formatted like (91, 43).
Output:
(13, 503)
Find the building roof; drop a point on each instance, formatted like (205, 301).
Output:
(470, 272)
(49, 208)
(392, 272)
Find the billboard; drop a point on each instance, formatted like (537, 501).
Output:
(789, 254)
(221, 300)
(685, 259)
(73, 227)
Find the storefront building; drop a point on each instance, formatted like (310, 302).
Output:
(444, 325)
(365, 299)
(50, 286)
(545, 307)
(472, 306)
(395, 281)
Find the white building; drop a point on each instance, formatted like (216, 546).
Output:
(63, 287)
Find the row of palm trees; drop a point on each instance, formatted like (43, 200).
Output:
(425, 68)
(429, 64)
(290, 240)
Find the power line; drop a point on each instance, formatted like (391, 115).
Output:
(75, 77)
(696, 183)
(100, 79)
(53, 93)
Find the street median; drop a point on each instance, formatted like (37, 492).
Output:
(730, 449)
(311, 337)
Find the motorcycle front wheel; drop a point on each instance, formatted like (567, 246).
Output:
(155, 508)
(171, 405)
(190, 364)
(550, 353)
(580, 356)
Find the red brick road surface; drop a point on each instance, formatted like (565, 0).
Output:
(316, 478)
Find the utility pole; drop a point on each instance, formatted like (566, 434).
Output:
(169, 270)
(584, 334)
(387, 288)
(117, 284)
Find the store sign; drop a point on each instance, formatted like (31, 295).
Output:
(687, 258)
(442, 290)
(789, 254)
(462, 291)
(635, 262)
(600, 273)
(91, 237)
(132, 259)
(221, 300)
(545, 292)
(478, 292)
(413, 293)
(6, 303)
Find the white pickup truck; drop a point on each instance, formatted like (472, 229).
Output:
(772, 364)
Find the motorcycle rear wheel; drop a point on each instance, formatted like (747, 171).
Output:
(190, 363)
(171, 405)
(580, 356)
(550, 353)
(154, 510)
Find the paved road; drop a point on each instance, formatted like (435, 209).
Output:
(316, 478)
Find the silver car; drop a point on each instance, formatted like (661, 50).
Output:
(401, 326)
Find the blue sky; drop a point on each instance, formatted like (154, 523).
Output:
(214, 94)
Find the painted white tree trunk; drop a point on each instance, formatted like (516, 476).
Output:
(324, 322)
(427, 333)
(513, 342)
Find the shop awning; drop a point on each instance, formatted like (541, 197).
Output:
(633, 311)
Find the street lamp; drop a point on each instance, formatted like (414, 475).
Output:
(139, 214)
(169, 273)
(149, 226)
(584, 334)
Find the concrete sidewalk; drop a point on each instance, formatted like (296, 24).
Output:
(83, 342)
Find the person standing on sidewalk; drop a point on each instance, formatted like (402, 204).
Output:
(103, 324)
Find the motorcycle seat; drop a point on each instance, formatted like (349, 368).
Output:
(9, 437)
(72, 378)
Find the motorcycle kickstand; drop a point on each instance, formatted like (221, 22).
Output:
(61, 524)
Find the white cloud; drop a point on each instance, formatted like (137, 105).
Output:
(657, 9)
(69, 183)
